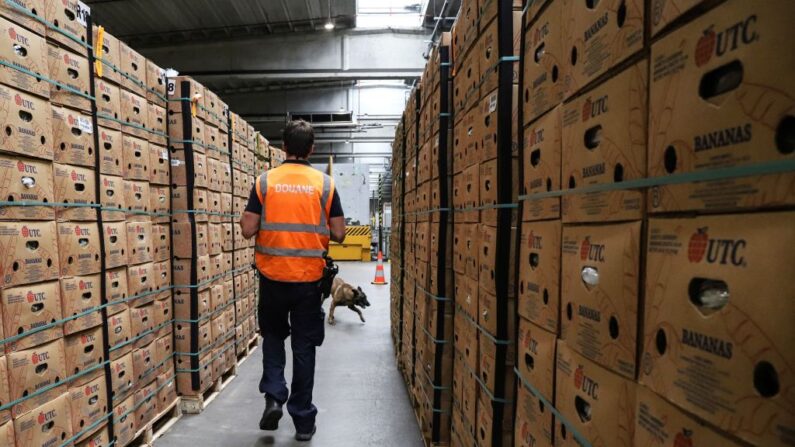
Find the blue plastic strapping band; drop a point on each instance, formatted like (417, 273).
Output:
(46, 79)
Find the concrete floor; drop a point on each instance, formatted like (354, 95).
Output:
(361, 397)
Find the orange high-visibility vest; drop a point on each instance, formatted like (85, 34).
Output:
(293, 232)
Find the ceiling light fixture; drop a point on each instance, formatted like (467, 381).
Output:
(329, 24)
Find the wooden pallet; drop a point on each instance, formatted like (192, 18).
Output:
(158, 426)
(197, 404)
(251, 346)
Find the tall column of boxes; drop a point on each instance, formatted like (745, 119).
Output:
(433, 251)
(654, 197)
(485, 46)
(396, 253)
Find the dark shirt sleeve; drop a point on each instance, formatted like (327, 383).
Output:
(254, 205)
(336, 205)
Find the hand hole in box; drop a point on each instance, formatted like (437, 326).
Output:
(621, 14)
(766, 381)
(539, 52)
(618, 173)
(721, 80)
(529, 361)
(572, 182)
(661, 342)
(24, 116)
(785, 135)
(708, 295)
(583, 409)
(569, 311)
(73, 74)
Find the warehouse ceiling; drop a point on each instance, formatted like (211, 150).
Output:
(143, 23)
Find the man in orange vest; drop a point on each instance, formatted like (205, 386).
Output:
(293, 210)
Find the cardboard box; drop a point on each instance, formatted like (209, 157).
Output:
(80, 294)
(542, 166)
(146, 403)
(158, 124)
(116, 244)
(599, 292)
(658, 423)
(26, 179)
(465, 33)
(116, 291)
(180, 90)
(180, 171)
(75, 185)
(111, 153)
(32, 7)
(112, 196)
(664, 12)
(108, 104)
(144, 365)
(163, 312)
(89, 403)
(700, 275)
(98, 438)
(69, 16)
(110, 59)
(185, 379)
(73, 139)
(136, 158)
(78, 246)
(485, 427)
(141, 281)
(119, 333)
(133, 65)
(167, 390)
(124, 427)
(27, 124)
(7, 438)
(32, 369)
(27, 50)
(26, 308)
(597, 402)
(48, 424)
(158, 165)
(534, 420)
(139, 242)
(536, 361)
(83, 351)
(184, 235)
(599, 36)
(604, 142)
(122, 378)
(160, 203)
(466, 85)
(488, 368)
(161, 242)
(176, 132)
(539, 274)
(182, 337)
(701, 119)
(155, 84)
(31, 253)
(134, 113)
(162, 272)
(143, 323)
(70, 70)
(138, 200)
(164, 353)
(487, 48)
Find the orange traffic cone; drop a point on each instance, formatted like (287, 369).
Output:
(379, 271)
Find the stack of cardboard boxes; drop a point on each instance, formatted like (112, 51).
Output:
(635, 318)
(483, 376)
(396, 255)
(86, 334)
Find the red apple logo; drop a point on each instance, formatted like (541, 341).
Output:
(82, 285)
(578, 375)
(71, 120)
(88, 390)
(586, 109)
(25, 231)
(34, 358)
(12, 33)
(684, 438)
(105, 181)
(18, 100)
(74, 176)
(706, 46)
(77, 231)
(585, 248)
(20, 166)
(66, 59)
(42, 418)
(530, 239)
(31, 297)
(698, 245)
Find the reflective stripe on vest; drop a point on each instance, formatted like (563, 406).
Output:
(290, 252)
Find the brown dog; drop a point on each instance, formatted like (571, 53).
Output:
(344, 294)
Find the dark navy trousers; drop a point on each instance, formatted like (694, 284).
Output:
(291, 310)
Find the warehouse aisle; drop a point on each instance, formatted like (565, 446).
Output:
(360, 395)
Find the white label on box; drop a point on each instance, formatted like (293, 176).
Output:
(493, 103)
(85, 124)
(82, 13)
(164, 154)
(175, 162)
(172, 87)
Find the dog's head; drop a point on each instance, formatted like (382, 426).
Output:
(360, 298)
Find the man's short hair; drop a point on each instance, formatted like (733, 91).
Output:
(298, 138)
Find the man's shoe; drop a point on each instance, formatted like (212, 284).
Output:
(304, 437)
(271, 416)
